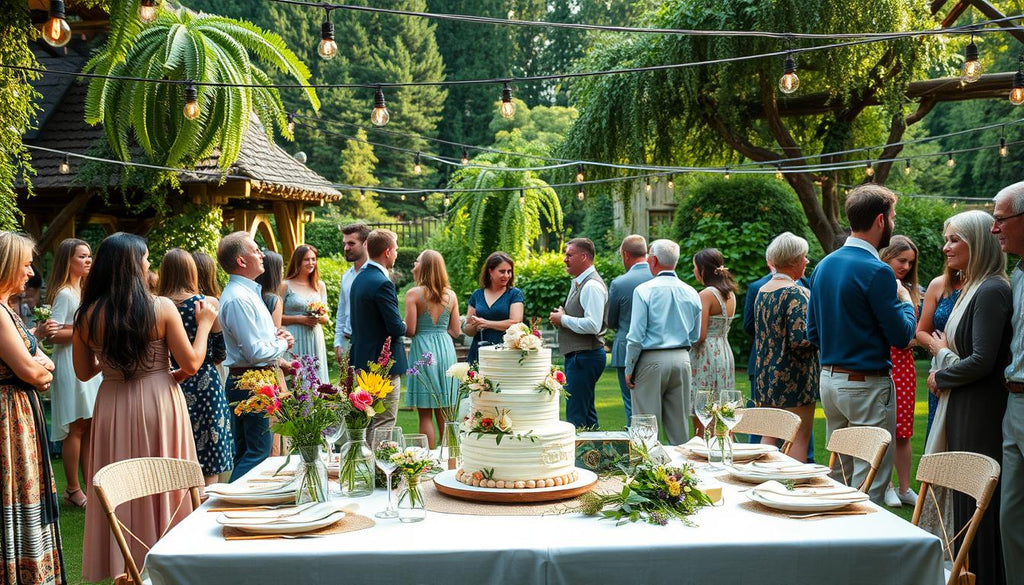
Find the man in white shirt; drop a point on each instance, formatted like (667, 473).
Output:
(355, 253)
(581, 324)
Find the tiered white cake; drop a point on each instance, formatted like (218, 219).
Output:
(539, 451)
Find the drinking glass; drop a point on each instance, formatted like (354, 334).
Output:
(643, 430)
(417, 440)
(731, 416)
(332, 434)
(385, 442)
(703, 403)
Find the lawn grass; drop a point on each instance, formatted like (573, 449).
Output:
(610, 414)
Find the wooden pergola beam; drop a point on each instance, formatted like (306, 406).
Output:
(993, 13)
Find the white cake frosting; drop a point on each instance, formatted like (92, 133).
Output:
(541, 449)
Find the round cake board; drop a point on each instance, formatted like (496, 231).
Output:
(448, 485)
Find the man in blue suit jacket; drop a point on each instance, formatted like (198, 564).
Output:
(375, 318)
(620, 305)
(856, 313)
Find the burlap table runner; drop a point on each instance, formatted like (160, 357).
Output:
(438, 502)
(350, 523)
(852, 509)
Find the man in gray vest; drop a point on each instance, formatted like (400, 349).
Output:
(581, 324)
(620, 305)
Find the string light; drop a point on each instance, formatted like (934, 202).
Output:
(727, 176)
(868, 169)
(778, 172)
(522, 197)
(417, 168)
(1017, 93)
(507, 109)
(579, 173)
(579, 193)
(447, 200)
(1003, 150)
(403, 196)
(423, 197)
(972, 65)
(671, 183)
(291, 123)
(65, 165)
(56, 31)
(379, 116)
(465, 157)
(362, 195)
(147, 10)
(950, 162)
(647, 184)
(906, 169)
(191, 109)
(789, 82)
(327, 49)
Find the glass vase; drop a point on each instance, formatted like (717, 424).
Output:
(451, 446)
(357, 466)
(411, 505)
(312, 476)
(720, 453)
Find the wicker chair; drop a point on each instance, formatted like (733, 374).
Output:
(770, 422)
(130, 479)
(972, 474)
(864, 443)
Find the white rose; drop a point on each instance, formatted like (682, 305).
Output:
(458, 371)
(504, 422)
(530, 342)
(467, 425)
(552, 384)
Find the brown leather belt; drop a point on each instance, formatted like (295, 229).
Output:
(242, 371)
(858, 376)
(1015, 387)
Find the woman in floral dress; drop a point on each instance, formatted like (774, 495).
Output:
(712, 366)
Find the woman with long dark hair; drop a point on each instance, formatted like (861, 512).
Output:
(127, 333)
(71, 399)
(304, 293)
(712, 366)
(270, 284)
(495, 306)
(206, 272)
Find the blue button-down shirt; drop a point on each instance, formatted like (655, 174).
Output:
(250, 337)
(666, 315)
(343, 318)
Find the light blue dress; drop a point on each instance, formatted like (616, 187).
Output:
(432, 337)
(308, 340)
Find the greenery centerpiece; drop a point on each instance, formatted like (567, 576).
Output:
(412, 463)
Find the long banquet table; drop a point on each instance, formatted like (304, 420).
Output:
(729, 544)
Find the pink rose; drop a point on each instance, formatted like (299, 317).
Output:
(361, 399)
(560, 377)
(471, 374)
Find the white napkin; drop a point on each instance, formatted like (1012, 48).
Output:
(774, 490)
(785, 467)
(237, 489)
(298, 515)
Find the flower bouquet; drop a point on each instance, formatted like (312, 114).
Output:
(723, 415)
(412, 463)
(316, 309)
(652, 493)
(523, 337)
(41, 313)
(447, 399)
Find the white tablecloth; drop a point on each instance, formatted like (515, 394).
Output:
(728, 545)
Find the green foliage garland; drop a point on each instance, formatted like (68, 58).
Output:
(17, 106)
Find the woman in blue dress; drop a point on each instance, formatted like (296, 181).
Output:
(432, 321)
(939, 298)
(301, 291)
(495, 306)
(208, 408)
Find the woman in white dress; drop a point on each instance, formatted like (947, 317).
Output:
(71, 399)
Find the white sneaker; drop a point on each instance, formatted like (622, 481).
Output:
(892, 499)
(908, 497)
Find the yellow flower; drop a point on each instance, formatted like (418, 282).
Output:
(673, 488)
(377, 385)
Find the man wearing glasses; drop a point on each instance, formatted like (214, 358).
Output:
(1009, 229)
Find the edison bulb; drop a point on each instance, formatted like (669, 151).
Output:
(147, 10)
(1017, 96)
(778, 175)
(1003, 150)
(906, 169)
(57, 32)
(380, 116)
(789, 83)
(65, 166)
(869, 170)
(972, 71)
(580, 195)
(417, 169)
(191, 110)
(403, 196)
(447, 201)
(508, 110)
(327, 49)
(950, 162)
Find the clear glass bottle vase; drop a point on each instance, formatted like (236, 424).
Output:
(451, 447)
(312, 476)
(357, 466)
(720, 451)
(411, 505)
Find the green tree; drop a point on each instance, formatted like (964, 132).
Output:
(357, 164)
(186, 46)
(728, 112)
(17, 107)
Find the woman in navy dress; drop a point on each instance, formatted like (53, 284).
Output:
(495, 306)
(204, 392)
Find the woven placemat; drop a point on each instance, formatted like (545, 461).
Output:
(350, 523)
(438, 502)
(851, 510)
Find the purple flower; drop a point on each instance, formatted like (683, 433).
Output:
(428, 358)
(414, 370)
(327, 390)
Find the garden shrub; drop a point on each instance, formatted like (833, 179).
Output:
(545, 283)
(325, 235)
(196, 228)
(921, 221)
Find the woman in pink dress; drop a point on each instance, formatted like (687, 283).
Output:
(127, 333)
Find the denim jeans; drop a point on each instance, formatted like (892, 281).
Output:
(252, 434)
(582, 370)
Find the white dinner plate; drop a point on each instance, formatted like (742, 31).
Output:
(793, 505)
(283, 527)
(293, 515)
(740, 451)
(754, 475)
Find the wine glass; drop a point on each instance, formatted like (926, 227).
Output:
(732, 408)
(385, 443)
(643, 430)
(331, 435)
(703, 403)
(418, 441)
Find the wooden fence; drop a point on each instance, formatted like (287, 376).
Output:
(411, 234)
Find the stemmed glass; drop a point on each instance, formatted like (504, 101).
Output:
(386, 442)
(643, 430)
(703, 403)
(731, 416)
(332, 435)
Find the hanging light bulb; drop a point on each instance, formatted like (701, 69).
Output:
(423, 197)
(291, 123)
(327, 49)
(65, 165)
(778, 172)
(56, 31)
(906, 169)
(362, 195)
(950, 162)
(789, 82)
(868, 169)
(579, 193)
(417, 168)
(147, 10)
(972, 66)
(647, 184)
(379, 116)
(671, 183)
(191, 109)
(403, 196)
(522, 197)
(465, 157)
(1003, 150)
(447, 200)
(727, 176)
(507, 109)
(1017, 93)
(579, 173)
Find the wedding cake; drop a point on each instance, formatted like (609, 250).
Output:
(513, 438)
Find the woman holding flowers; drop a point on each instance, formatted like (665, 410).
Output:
(432, 321)
(305, 306)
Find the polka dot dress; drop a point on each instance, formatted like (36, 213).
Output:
(904, 377)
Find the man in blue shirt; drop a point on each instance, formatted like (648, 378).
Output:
(856, 313)
(355, 252)
(664, 325)
(620, 305)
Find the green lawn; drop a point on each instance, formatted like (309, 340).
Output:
(609, 412)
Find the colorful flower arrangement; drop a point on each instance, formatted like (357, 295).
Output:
(316, 309)
(499, 425)
(412, 463)
(652, 493)
(41, 313)
(470, 380)
(554, 382)
(719, 411)
(366, 390)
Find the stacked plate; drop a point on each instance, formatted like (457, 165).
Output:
(740, 451)
(262, 491)
(818, 499)
(304, 518)
(755, 472)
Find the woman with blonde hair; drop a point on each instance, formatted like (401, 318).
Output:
(303, 291)
(204, 391)
(71, 399)
(970, 358)
(712, 366)
(901, 255)
(30, 541)
(432, 321)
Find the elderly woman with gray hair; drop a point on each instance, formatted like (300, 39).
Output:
(967, 373)
(786, 369)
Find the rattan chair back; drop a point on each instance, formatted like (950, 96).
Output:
(770, 422)
(865, 443)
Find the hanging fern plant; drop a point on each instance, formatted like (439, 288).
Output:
(188, 47)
